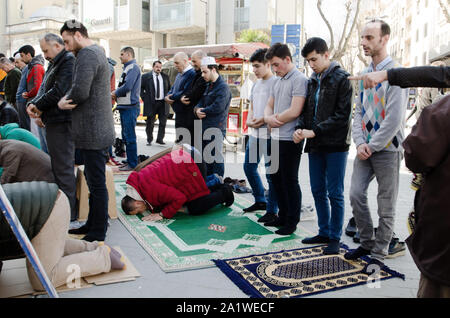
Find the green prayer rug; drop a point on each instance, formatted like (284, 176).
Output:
(300, 272)
(192, 242)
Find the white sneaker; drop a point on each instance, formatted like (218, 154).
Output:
(308, 213)
(76, 224)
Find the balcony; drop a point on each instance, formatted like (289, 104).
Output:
(241, 19)
(174, 18)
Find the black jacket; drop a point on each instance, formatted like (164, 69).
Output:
(332, 122)
(58, 80)
(422, 76)
(197, 89)
(148, 91)
(8, 114)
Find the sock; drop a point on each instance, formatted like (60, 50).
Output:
(117, 260)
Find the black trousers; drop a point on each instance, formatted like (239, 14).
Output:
(61, 149)
(202, 205)
(162, 111)
(94, 171)
(285, 181)
(24, 119)
(185, 120)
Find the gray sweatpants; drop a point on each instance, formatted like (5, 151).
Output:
(385, 167)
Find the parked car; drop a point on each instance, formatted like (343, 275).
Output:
(140, 119)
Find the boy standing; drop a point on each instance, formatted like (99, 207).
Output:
(283, 108)
(259, 139)
(325, 123)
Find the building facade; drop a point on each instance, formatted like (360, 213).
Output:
(420, 32)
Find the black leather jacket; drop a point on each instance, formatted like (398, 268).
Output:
(58, 80)
(332, 122)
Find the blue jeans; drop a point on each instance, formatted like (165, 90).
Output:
(256, 149)
(128, 119)
(43, 139)
(218, 164)
(327, 173)
(94, 171)
(212, 181)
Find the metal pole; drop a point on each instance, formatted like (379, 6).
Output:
(206, 2)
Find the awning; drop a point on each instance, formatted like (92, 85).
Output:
(241, 51)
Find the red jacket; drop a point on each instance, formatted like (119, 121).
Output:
(170, 182)
(34, 80)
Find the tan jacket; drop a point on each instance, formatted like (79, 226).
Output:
(22, 162)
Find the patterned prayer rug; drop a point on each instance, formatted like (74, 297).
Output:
(192, 242)
(299, 273)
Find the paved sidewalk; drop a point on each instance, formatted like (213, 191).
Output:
(211, 283)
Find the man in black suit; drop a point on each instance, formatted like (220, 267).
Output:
(154, 87)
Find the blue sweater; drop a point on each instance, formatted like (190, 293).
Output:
(128, 92)
(215, 103)
(181, 87)
(22, 87)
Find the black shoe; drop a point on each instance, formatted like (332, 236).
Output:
(357, 237)
(373, 267)
(351, 229)
(92, 239)
(275, 223)
(268, 217)
(258, 206)
(160, 142)
(80, 231)
(286, 230)
(355, 254)
(332, 248)
(227, 191)
(149, 143)
(316, 240)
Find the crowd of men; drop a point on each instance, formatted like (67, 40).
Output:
(68, 109)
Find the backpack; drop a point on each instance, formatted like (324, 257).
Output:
(119, 148)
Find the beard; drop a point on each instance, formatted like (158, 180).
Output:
(76, 47)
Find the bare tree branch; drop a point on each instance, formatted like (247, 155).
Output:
(319, 7)
(344, 30)
(445, 9)
(348, 37)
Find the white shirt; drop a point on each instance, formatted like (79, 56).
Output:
(161, 86)
(189, 67)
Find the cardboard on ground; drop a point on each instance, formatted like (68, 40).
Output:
(14, 279)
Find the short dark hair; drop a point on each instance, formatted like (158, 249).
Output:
(214, 67)
(128, 204)
(27, 49)
(314, 44)
(259, 56)
(278, 50)
(156, 62)
(73, 26)
(2, 55)
(128, 49)
(385, 28)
